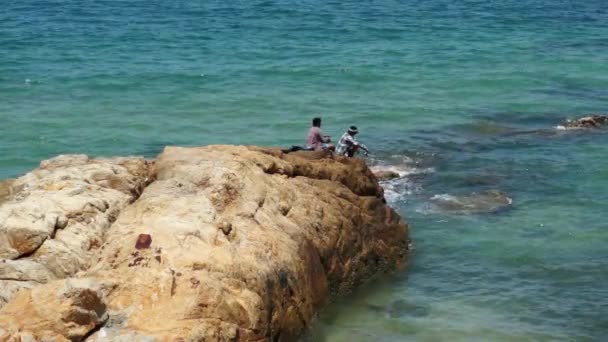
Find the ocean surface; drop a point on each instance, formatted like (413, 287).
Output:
(461, 97)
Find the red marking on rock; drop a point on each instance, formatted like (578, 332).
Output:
(143, 241)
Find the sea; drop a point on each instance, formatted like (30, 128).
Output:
(463, 98)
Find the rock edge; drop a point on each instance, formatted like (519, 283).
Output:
(228, 243)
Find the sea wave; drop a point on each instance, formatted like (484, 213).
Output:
(399, 188)
(402, 170)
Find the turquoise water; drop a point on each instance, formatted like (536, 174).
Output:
(463, 95)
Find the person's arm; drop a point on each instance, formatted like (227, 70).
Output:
(324, 138)
(321, 137)
(361, 146)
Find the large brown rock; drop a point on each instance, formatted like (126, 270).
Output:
(60, 311)
(230, 244)
(53, 219)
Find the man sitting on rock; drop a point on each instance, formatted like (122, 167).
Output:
(348, 146)
(315, 140)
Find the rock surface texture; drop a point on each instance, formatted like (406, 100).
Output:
(592, 121)
(227, 243)
(53, 220)
(385, 175)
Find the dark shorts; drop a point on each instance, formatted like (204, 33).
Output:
(324, 147)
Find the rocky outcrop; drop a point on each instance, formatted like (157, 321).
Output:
(52, 220)
(592, 121)
(227, 244)
(59, 311)
(385, 175)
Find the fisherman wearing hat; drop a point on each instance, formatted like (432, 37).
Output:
(348, 146)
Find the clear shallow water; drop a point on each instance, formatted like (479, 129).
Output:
(458, 87)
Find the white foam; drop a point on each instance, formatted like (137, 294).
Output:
(425, 209)
(402, 170)
(398, 188)
(445, 198)
(393, 196)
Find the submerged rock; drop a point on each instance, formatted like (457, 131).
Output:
(480, 180)
(592, 121)
(482, 202)
(400, 308)
(235, 243)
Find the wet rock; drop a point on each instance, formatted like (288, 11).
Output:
(592, 121)
(300, 230)
(384, 175)
(482, 202)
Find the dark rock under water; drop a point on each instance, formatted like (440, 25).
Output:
(482, 202)
(591, 121)
(400, 308)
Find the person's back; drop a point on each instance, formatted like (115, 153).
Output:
(315, 140)
(347, 145)
(343, 144)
